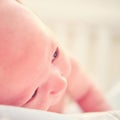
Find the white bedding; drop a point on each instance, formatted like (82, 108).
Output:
(15, 113)
(114, 97)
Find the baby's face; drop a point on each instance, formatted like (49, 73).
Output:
(32, 66)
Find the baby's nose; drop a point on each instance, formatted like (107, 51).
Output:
(57, 83)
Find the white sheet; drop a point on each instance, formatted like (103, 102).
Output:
(15, 113)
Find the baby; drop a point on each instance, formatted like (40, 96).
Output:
(34, 70)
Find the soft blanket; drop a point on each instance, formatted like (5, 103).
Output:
(16, 113)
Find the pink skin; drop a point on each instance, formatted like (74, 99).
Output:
(26, 60)
(34, 71)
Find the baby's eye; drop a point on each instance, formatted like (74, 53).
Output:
(18, 1)
(55, 55)
(33, 96)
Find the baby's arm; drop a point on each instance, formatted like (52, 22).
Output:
(84, 92)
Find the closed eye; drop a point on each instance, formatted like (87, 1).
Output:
(33, 96)
(55, 55)
(19, 1)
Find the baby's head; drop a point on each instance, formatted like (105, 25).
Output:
(32, 66)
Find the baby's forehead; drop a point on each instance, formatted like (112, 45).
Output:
(20, 27)
(16, 18)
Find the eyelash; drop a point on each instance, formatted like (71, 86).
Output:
(33, 96)
(55, 55)
(34, 93)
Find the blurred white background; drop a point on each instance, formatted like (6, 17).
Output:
(89, 30)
